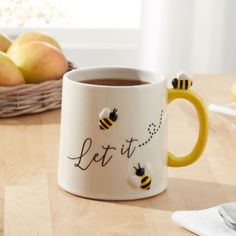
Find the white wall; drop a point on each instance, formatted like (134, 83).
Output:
(102, 57)
(197, 36)
(92, 47)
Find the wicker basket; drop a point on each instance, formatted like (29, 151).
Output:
(31, 98)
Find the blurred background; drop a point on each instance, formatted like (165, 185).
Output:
(196, 36)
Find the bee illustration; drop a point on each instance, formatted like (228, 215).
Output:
(107, 118)
(182, 81)
(140, 179)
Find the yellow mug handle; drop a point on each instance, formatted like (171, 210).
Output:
(199, 105)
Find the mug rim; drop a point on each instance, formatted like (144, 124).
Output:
(153, 77)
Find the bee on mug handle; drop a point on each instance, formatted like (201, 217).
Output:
(182, 81)
(142, 178)
(107, 118)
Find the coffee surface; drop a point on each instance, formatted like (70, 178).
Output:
(114, 82)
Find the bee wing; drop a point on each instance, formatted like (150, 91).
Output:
(134, 181)
(104, 113)
(148, 169)
(183, 76)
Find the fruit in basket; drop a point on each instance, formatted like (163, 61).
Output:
(39, 61)
(32, 36)
(233, 91)
(9, 74)
(5, 42)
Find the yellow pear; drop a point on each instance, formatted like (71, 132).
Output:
(39, 61)
(9, 74)
(5, 42)
(233, 91)
(29, 37)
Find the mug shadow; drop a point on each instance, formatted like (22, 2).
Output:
(183, 194)
(45, 117)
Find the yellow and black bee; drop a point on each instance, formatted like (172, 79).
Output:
(107, 118)
(145, 180)
(182, 82)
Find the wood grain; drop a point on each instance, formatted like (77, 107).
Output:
(27, 210)
(31, 203)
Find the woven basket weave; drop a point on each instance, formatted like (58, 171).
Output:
(31, 98)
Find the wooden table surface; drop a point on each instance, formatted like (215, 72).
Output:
(31, 203)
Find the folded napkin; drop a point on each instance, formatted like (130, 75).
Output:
(206, 222)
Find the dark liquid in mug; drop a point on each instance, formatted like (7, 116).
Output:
(114, 82)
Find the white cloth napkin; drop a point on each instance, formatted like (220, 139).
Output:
(205, 222)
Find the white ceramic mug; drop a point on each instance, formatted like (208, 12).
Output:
(113, 143)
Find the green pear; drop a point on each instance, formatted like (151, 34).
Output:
(9, 74)
(32, 36)
(39, 61)
(5, 42)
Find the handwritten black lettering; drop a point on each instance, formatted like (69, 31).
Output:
(103, 157)
(85, 149)
(130, 149)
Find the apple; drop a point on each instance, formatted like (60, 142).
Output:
(32, 36)
(39, 61)
(9, 74)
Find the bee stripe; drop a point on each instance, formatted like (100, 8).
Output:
(185, 83)
(190, 83)
(178, 84)
(146, 185)
(145, 181)
(108, 121)
(111, 121)
(103, 125)
(144, 178)
(181, 84)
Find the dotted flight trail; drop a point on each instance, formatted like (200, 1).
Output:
(152, 130)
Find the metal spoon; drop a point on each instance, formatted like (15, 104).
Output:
(228, 213)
